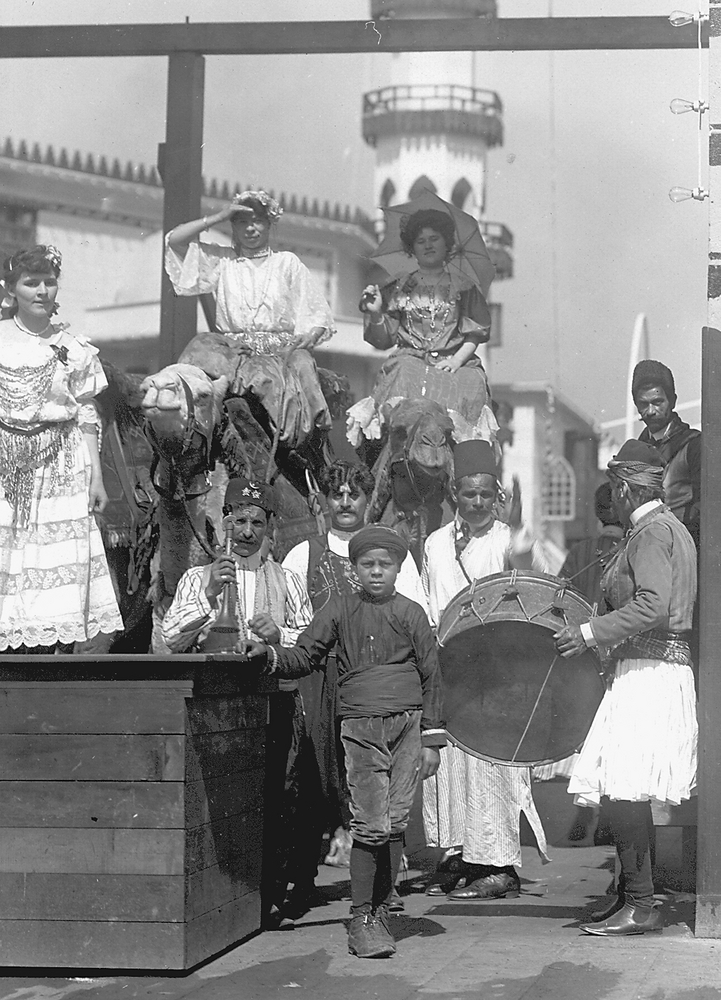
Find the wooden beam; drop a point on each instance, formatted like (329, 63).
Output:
(313, 37)
(180, 165)
(708, 890)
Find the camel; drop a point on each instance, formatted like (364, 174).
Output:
(414, 472)
(206, 423)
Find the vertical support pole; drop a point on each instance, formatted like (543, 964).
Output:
(708, 888)
(180, 166)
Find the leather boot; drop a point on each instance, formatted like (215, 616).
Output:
(597, 916)
(632, 918)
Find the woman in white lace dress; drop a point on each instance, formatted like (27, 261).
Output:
(54, 582)
(267, 302)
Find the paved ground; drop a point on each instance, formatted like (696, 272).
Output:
(521, 949)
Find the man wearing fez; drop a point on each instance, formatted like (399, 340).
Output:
(474, 805)
(654, 394)
(272, 607)
(324, 562)
(642, 743)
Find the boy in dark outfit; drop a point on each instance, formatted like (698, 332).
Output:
(389, 686)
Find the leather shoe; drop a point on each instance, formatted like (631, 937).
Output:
(597, 916)
(449, 873)
(630, 919)
(489, 887)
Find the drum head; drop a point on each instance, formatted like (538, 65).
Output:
(508, 696)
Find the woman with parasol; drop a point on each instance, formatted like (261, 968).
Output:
(435, 316)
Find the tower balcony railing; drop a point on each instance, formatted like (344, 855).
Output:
(499, 242)
(433, 108)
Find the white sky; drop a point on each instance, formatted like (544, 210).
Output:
(597, 238)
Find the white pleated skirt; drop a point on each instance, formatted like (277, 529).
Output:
(55, 585)
(643, 742)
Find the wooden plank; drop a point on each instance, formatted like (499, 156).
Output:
(93, 804)
(112, 852)
(181, 170)
(214, 887)
(217, 715)
(314, 37)
(232, 844)
(218, 929)
(87, 945)
(66, 757)
(708, 894)
(211, 755)
(61, 896)
(220, 798)
(95, 707)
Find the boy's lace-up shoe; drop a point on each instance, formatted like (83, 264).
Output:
(383, 926)
(367, 938)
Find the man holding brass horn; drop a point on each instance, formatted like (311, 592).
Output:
(271, 605)
(642, 744)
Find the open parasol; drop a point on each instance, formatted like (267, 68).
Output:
(469, 257)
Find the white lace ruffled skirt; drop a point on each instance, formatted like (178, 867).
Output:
(54, 579)
(642, 745)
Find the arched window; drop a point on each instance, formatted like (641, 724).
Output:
(387, 193)
(459, 195)
(559, 490)
(422, 184)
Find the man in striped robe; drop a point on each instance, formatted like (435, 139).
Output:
(474, 806)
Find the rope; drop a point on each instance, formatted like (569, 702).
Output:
(533, 710)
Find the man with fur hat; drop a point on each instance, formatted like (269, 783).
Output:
(641, 747)
(654, 394)
(473, 805)
(273, 607)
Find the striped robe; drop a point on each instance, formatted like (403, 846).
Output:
(471, 802)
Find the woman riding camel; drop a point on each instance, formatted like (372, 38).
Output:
(267, 304)
(435, 319)
(55, 588)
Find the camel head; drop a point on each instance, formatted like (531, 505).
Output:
(182, 398)
(420, 431)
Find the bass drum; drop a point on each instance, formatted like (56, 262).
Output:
(509, 697)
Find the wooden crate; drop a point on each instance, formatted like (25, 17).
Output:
(131, 810)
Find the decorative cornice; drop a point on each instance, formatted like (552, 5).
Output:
(115, 175)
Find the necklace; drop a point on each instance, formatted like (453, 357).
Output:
(247, 285)
(260, 253)
(424, 302)
(31, 333)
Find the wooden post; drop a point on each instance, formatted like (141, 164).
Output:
(180, 165)
(708, 887)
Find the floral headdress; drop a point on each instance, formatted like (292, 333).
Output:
(270, 205)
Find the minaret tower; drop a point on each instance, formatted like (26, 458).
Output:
(432, 127)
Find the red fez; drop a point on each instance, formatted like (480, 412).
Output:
(474, 458)
(241, 492)
(375, 536)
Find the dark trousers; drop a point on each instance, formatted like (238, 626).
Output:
(631, 826)
(382, 756)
